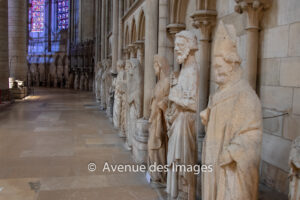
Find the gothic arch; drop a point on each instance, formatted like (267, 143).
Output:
(141, 26)
(178, 10)
(126, 36)
(133, 32)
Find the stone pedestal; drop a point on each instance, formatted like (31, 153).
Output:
(140, 141)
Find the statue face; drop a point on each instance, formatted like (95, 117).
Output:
(222, 70)
(181, 49)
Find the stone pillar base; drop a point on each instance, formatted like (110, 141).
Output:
(140, 141)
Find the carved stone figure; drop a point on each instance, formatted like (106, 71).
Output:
(108, 89)
(98, 81)
(134, 98)
(233, 121)
(157, 142)
(181, 117)
(76, 81)
(82, 80)
(86, 82)
(119, 91)
(103, 89)
(124, 105)
(294, 175)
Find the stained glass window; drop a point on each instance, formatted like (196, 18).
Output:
(63, 14)
(38, 15)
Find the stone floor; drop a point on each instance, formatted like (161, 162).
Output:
(47, 142)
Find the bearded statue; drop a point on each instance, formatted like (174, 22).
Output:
(233, 121)
(181, 119)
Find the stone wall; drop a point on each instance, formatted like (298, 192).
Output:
(279, 82)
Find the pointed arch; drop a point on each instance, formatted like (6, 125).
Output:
(126, 36)
(133, 32)
(178, 10)
(141, 26)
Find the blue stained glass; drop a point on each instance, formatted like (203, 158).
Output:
(63, 14)
(38, 17)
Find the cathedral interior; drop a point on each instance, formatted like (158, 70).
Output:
(150, 99)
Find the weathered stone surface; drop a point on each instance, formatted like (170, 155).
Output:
(275, 150)
(277, 98)
(274, 177)
(294, 39)
(291, 127)
(290, 72)
(272, 125)
(296, 101)
(274, 42)
(269, 73)
(288, 11)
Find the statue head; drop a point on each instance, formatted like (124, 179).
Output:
(226, 60)
(185, 44)
(161, 65)
(120, 65)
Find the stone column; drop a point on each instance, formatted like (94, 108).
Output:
(17, 39)
(103, 29)
(4, 70)
(115, 33)
(204, 20)
(173, 29)
(151, 26)
(165, 47)
(120, 39)
(254, 10)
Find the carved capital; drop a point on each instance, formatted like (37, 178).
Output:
(139, 44)
(254, 10)
(175, 28)
(204, 20)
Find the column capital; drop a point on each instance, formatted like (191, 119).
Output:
(139, 45)
(204, 20)
(254, 9)
(175, 28)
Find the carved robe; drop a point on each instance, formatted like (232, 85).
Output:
(98, 84)
(103, 89)
(134, 98)
(119, 91)
(295, 170)
(234, 132)
(182, 136)
(158, 131)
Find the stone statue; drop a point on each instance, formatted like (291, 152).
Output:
(119, 91)
(86, 81)
(98, 81)
(181, 117)
(157, 142)
(82, 80)
(103, 89)
(76, 81)
(294, 175)
(134, 97)
(108, 89)
(233, 122)
(124, 105)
